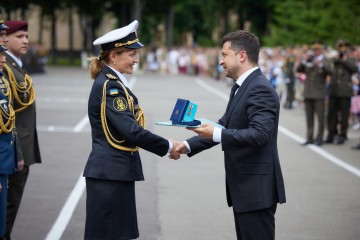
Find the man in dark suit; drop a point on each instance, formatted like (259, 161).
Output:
(254, 182)
(23, 94)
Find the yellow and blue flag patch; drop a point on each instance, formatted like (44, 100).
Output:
(114, 91)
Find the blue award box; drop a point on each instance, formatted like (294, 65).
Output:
(184, 113)
(183, 116)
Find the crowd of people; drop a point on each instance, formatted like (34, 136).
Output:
(332, 94)
(183, 60)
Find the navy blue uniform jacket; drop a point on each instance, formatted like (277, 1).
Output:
(253, 174)
(8, 161)
(105, 161)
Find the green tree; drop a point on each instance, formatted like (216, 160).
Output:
(303, 21)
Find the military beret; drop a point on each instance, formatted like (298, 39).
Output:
(121, 37)
(16, 25)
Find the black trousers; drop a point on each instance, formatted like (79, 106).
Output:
(256, 225)
(312, 107)
(339, 112)
(290, 93)
(17, 184)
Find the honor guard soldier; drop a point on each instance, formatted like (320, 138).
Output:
(7, 137)
(23, 95)
(317, 68)
(340, 93)
(118, 132)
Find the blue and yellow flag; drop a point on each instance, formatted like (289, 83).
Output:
(114, 91)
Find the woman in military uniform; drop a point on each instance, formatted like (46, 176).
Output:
(117, 124)
(7, 140)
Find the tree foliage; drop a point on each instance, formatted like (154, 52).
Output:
(276, 22)
(303, 21)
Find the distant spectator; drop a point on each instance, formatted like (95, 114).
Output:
(173, 61)
(340, 93)
(317, 68)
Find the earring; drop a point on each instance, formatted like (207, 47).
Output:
(115, 63)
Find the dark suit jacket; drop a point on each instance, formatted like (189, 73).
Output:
(253, 174)
(105, 161)
(27, 140)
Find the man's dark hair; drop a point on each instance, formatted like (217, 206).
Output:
(244, 41)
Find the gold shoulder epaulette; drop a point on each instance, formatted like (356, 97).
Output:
(111, 77)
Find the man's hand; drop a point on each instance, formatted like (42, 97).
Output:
(20, 166)
(174, 154)
(182, 149)
(205, 130)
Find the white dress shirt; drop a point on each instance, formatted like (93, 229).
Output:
(17, 60)
(121, 76)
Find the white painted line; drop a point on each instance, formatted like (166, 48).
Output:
(321, 152)
(61, 100)
(294, 136)
(62, 89)
(213, 90)
(67, 211)
(58, 129)
(81, 124)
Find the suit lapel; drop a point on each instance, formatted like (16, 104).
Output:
(239, 94)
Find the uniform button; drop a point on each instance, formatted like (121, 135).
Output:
(11, 142)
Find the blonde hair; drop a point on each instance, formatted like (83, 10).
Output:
(97, 63)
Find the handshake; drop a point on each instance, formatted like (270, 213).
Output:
(178, 149)
(205, 130)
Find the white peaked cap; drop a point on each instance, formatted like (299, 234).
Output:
(121, 37)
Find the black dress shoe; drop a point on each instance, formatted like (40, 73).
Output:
(340, 140)
(329, 140)
(356, 147)
(307, 142)
(318, 143)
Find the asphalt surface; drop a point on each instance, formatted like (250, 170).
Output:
(184, 199)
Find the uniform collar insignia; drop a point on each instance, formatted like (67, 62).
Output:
(111, 77)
